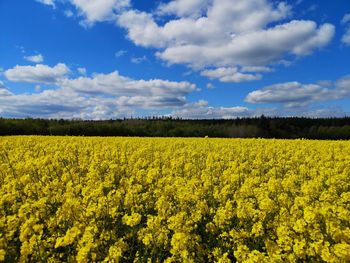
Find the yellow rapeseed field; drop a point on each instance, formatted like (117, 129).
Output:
(76, 199)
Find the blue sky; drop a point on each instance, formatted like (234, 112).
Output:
(103, 59)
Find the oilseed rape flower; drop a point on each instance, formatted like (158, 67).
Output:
(132, 220)
(81, 199)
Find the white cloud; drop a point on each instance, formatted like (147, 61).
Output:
(21, 48)
(102, 96)
(289, 93)
(37, 74)
(248, 33)
(35, 58)
(93, 10)
(142, 29)
(116, 85)
(201, 110)
(68, 13)
(210, 86)
(256, 69)
(82, 71)
(37, 88)
(120, 53)
(258, 48)
(3, 90)
(229, 75)
(182, 8)
(99, 10)
(155, 102)
(343, 86)
(207, 34)
(139, 60)
(49, 104)
(325, 113)
(346, 37)
(106, 96)
(320, 38)
(201, 103)
(47, 2)
(295, 94)
(222, 20)
(346, 19)
(68, 103)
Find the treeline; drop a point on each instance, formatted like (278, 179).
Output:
(263, 127)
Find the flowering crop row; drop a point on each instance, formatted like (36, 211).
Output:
(174, 200)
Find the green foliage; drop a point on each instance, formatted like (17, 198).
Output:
(263, 127)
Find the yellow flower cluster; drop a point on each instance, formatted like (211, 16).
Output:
(76, 199)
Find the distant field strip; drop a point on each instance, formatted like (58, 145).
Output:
(77, 199)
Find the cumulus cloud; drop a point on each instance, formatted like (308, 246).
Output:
(289, 93)
(60, 103)
(346, 19)
(343, 86)
(99, 10)
(68, 13)
(37, 74)
(101, 96)
(139, 60)
(35, 58)
(47, 2)
(295, 94)
(212, 34)
(229, 75)
(236, 75)
(325, 113)
(82, 71)
(210, 86)
(248, 33)
(257, 48)
(256, 69)
(3, 90)
(201, 110)
(142, 29)
(106, 96)
(93, 11)
(221, 21)
(346, 36)
(182, 8)
(37, 88)
(120, 53)
(117, 85)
